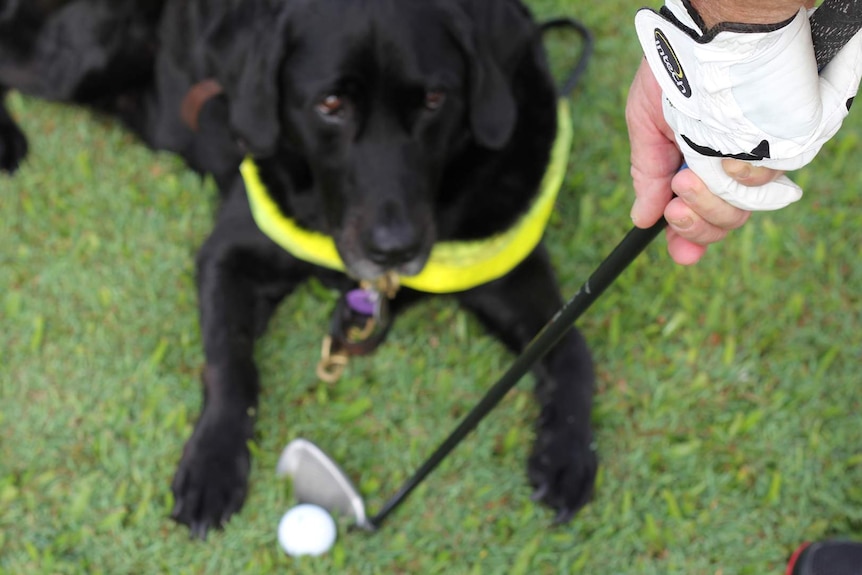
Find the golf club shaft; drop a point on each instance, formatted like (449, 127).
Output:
(833, 24)
(628, 249)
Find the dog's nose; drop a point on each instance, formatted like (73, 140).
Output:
(393, 239)
(391, 246)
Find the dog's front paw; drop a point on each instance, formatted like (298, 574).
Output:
(13, 146)
(212, 479)
(562, 470)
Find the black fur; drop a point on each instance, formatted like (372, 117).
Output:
(388, 124)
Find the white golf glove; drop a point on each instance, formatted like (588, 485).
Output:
(748, 92)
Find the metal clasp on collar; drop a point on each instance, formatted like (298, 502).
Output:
(359, 323)
(331, 365)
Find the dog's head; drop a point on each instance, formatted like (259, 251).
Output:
(375, 97)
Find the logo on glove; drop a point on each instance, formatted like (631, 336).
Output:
(671, 63)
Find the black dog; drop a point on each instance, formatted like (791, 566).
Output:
(390, 126)
(99, 53)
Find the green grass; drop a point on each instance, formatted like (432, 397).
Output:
(728, 411)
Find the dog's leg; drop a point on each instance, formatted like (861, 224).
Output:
(562, 466)
(13, 142)
(215, 150)
(241, 277)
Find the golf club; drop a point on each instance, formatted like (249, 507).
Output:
(318, 479)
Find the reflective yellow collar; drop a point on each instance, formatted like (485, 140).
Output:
(454, 265)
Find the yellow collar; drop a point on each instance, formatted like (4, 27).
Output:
(454, 265)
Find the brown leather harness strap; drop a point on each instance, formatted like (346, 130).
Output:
(195, 98)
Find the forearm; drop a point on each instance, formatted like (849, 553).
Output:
(748, 11)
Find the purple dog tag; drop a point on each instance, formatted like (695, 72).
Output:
(362, 301)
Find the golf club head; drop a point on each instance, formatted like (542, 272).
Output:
(317, 479)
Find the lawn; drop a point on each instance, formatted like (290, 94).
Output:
(728, 410)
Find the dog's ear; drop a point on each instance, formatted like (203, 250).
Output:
(496, 38)
(245, 48)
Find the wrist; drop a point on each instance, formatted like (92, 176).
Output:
(715, 12)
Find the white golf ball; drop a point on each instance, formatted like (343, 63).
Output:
(306, 530)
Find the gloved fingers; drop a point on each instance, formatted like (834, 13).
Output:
(774, 194)
(747, 173)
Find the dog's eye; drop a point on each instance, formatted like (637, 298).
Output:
(434, 99)
(331, 106)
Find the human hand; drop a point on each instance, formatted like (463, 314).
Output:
(751, 92)
(696, 217)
